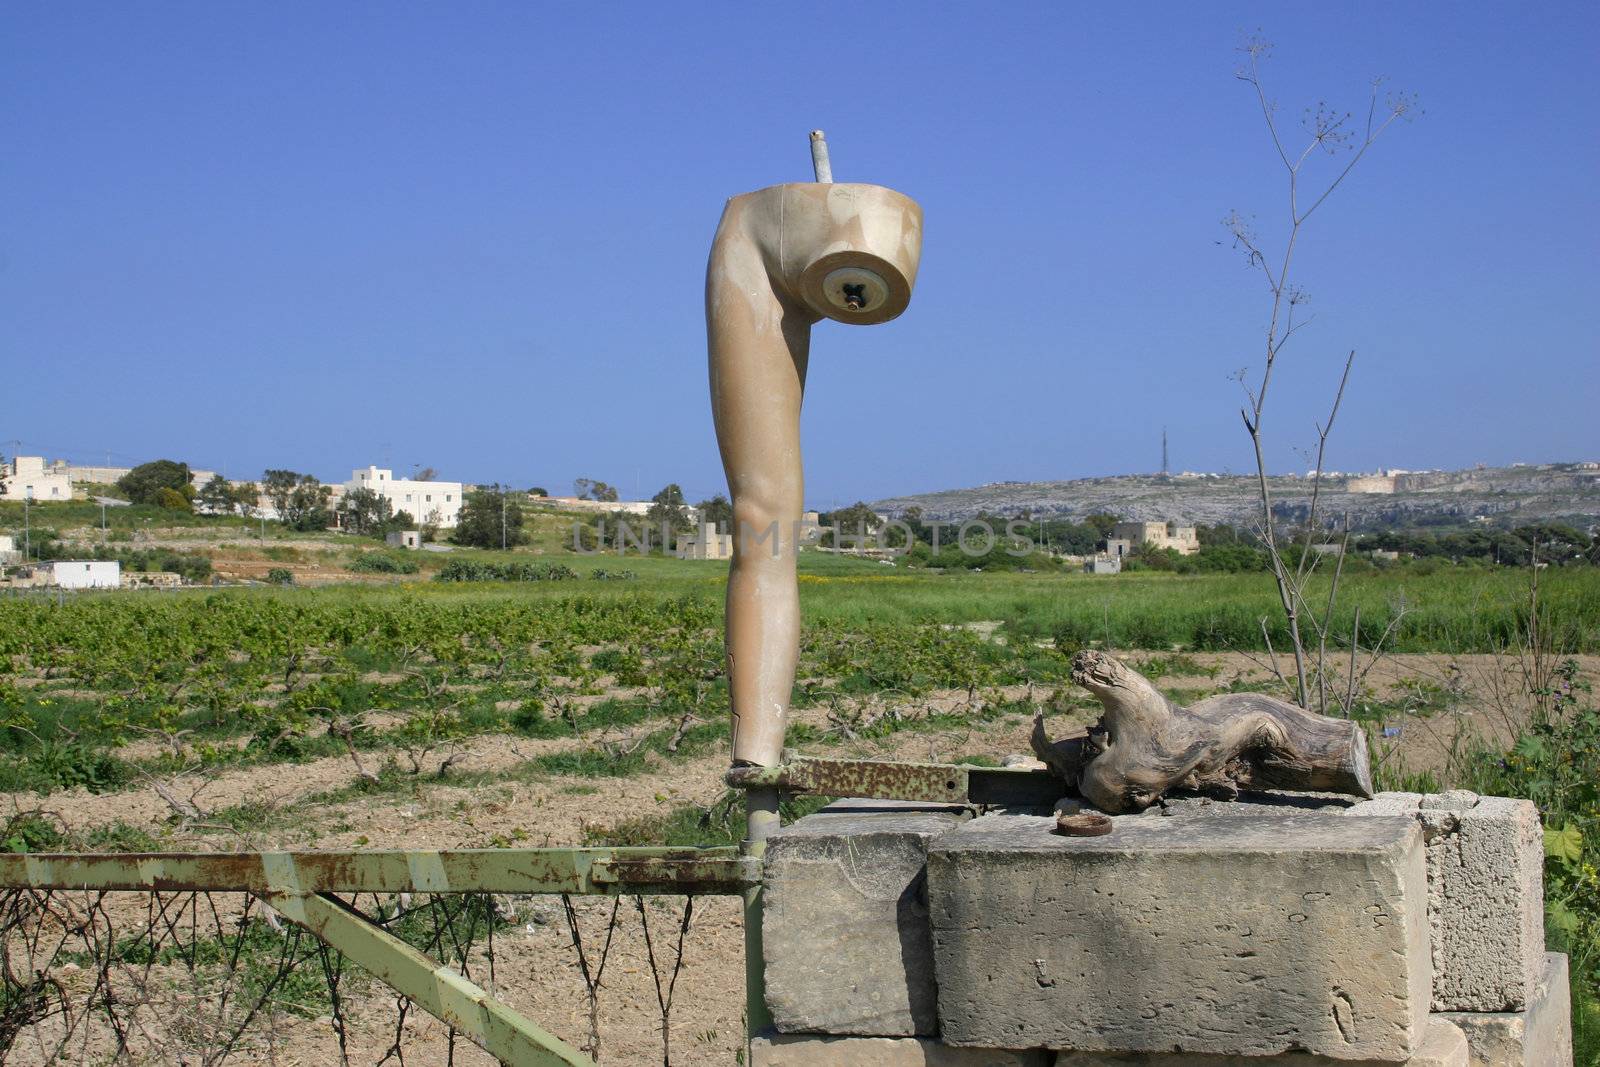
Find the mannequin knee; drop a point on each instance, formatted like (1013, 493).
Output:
(763, 526)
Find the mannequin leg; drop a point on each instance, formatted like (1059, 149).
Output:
(759, 346)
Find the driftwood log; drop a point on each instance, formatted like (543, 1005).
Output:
(1144, 745)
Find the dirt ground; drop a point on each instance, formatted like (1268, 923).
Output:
(536, 968)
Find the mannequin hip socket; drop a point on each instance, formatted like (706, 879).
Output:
(783, 258)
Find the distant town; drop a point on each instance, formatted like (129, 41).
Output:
(1103, 526)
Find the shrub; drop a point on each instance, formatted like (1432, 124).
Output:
(171, 499)
(280, 576)
(383, 563)
(68, 765)
(28, 831)
(465, 570)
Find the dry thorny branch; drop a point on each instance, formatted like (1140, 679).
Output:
(593, 973)
(1294, 559)
(165, 977)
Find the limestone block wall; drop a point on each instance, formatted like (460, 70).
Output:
(1285, 931)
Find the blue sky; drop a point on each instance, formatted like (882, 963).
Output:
(473, 236)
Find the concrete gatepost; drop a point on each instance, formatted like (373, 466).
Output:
(848, 948)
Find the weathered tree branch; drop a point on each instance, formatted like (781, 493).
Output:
(1145, 745)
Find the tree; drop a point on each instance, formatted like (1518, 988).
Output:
(246, 499)
(308, 505)
(425, 474)
(539, 490)
(1220, 534)
(278, 485)
(216, 496)
(717, 511)
(147, 479)
(589, 489)
(299, 499)
(366, 511)
(1070, 538)
(1102, 523)
(1330, 133)
(1558, 542)
(669, 507)
(490, 517)
(852, 523)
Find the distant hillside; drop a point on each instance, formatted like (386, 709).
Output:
(1504, 496)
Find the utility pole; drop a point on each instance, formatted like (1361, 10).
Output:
(1164, 468)
(502, 517)
(27, 524)
(103, 518)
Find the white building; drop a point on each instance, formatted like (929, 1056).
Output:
(608, 507)
(94, 475)
(79, 573)
(430, 503)
(27, 478)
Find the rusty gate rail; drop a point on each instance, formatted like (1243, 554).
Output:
(603, 871)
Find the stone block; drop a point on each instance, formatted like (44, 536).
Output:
(1251, 805)
(1228, 936)
(818, 1050)
(1485, 896)
(1540, 1036)
(1388, 804)
(845, 920)
(1444, 1045)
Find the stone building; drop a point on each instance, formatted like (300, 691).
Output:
(705, 543)
(1181, 539)
(29, 478)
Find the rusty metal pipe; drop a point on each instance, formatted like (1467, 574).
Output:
(820, 164)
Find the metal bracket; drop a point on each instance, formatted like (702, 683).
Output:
(939, 783)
